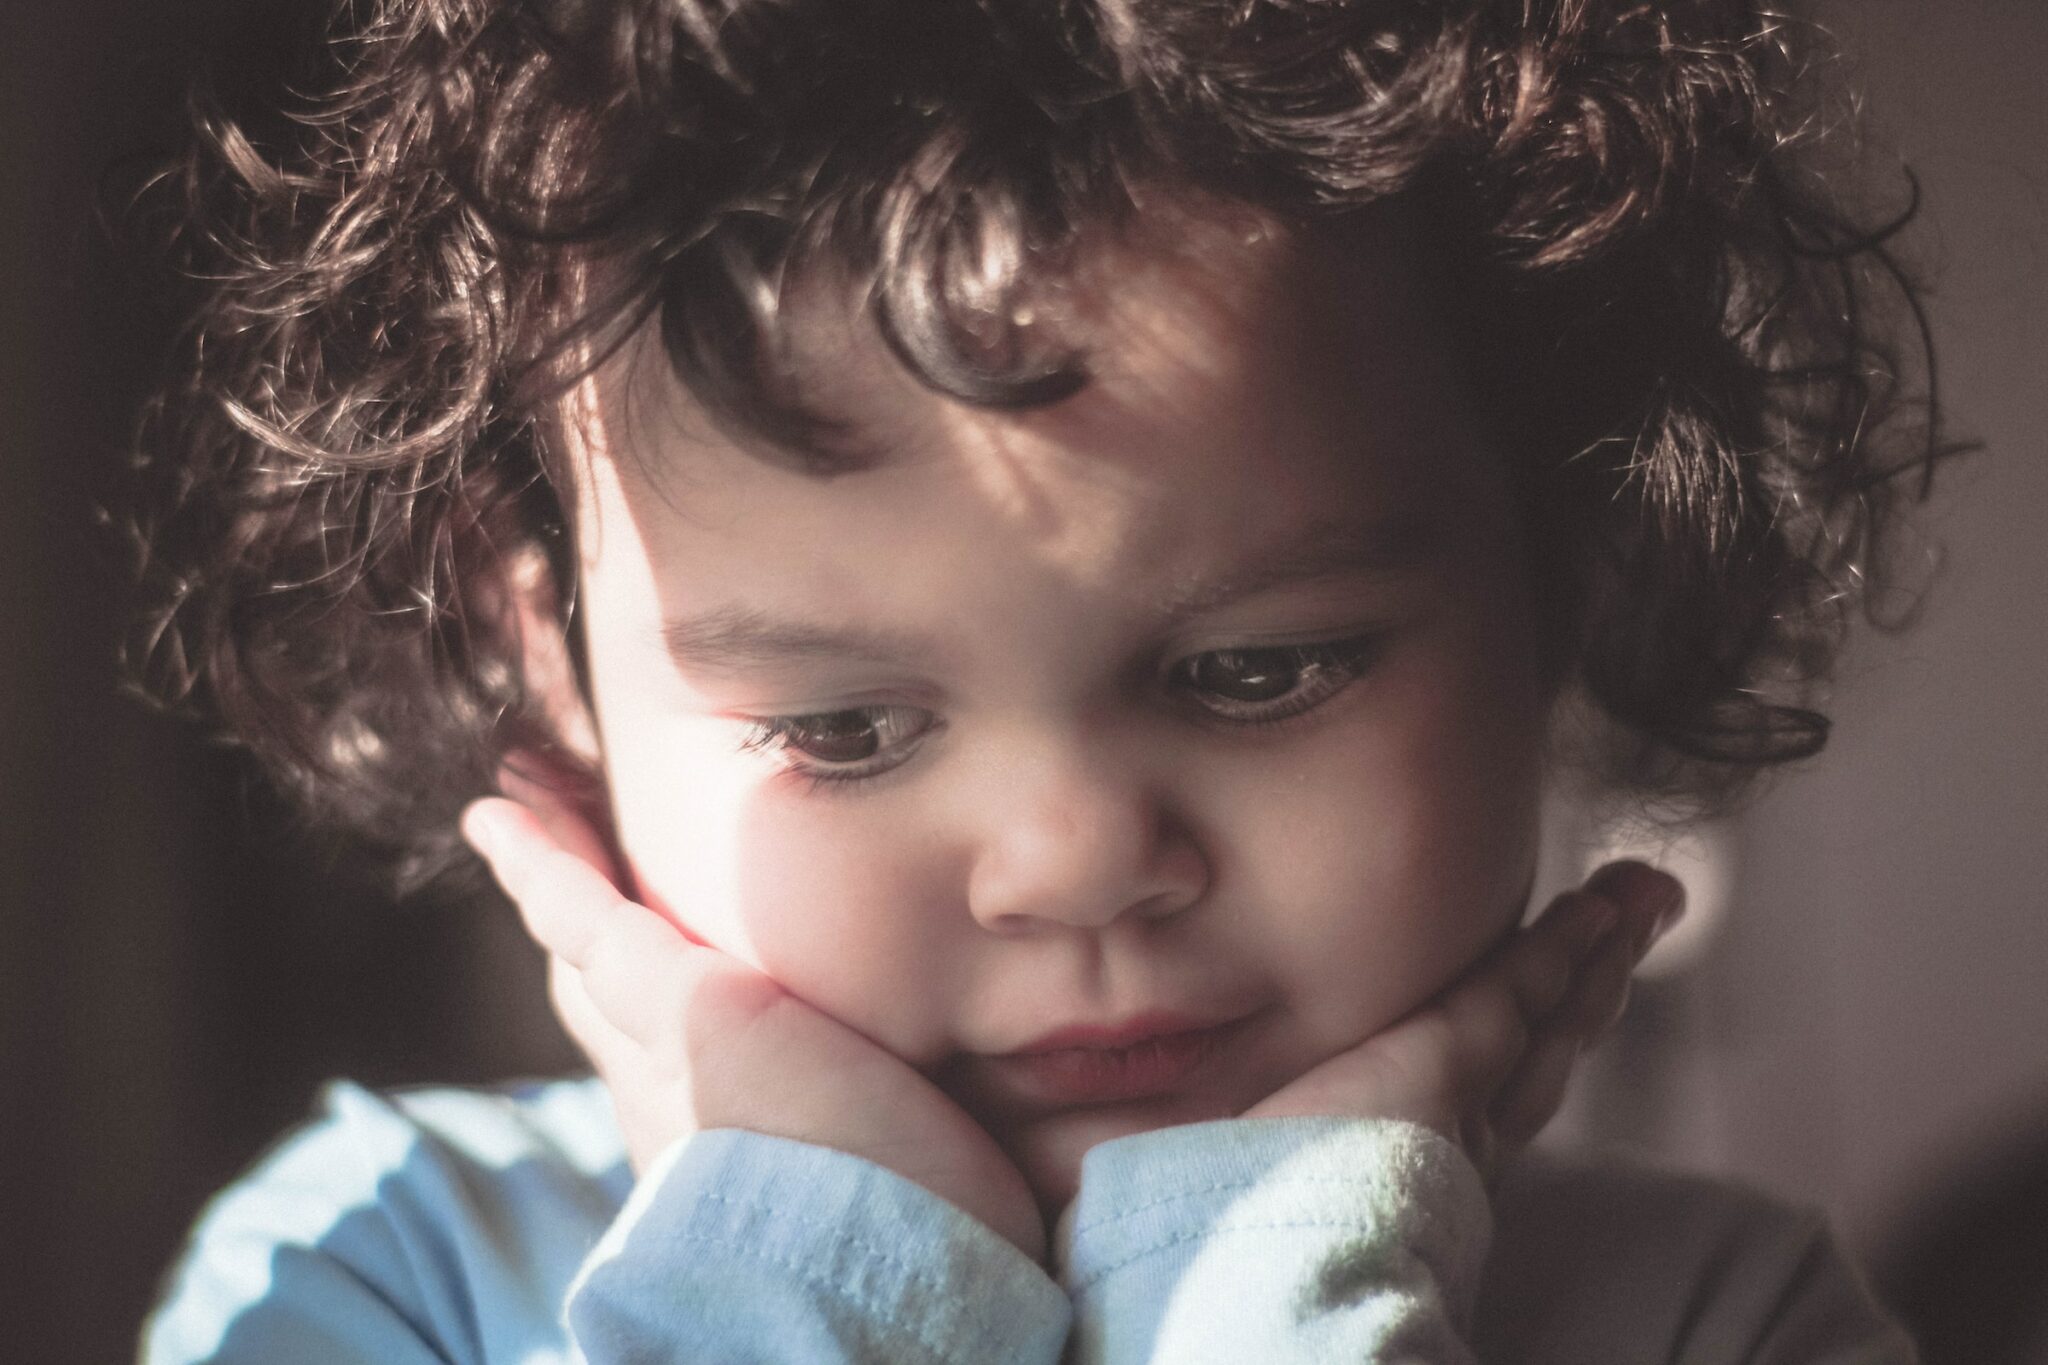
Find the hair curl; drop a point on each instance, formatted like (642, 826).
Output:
(1686, 338)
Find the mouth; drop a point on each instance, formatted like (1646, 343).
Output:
(1144, 1058)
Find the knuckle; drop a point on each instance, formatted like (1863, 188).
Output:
(606, 963)
(736, 997)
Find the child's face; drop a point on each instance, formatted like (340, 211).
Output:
(1210, 695)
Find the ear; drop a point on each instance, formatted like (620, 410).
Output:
(567, 760)
(534, 604)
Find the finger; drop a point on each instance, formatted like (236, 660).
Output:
(1648, 903)
(1600, 993)
(1643, 893)
(1481, 1143)
(1643, 902)
(1541, 962)
(1492, 1015)
(1486, 1032)
(566, 822)
(567, 903)
(636, 967)
(1532, 1096)
(601, 1040)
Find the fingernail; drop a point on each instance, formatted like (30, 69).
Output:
(1634, 884)
(1662, 900)
(1621, 880)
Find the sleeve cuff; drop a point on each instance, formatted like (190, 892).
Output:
(1316, 1232)
(757, 1247)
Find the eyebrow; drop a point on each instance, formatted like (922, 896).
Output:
(736, 639)
(1327, 549)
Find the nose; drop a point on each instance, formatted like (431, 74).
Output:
(1082, 842)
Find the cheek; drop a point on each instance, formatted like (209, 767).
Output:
(677, 799)
(858, 913)
(802, 888)
(1400, 847)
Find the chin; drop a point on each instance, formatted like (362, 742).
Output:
(1049, 1150)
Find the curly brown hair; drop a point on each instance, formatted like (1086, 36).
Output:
(1684, 337)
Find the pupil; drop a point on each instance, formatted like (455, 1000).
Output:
(841, 737)
(1264, 676)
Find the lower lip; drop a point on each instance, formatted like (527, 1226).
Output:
(1144, 1070)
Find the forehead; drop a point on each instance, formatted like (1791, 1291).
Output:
(1199, 313)
(1248, 385)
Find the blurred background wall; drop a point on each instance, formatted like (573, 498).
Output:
(1879, 1022)
(1866, 1030)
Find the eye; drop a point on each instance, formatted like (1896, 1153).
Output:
(1253, 686)
(845, 745)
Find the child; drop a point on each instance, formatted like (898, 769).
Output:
(1019, 570)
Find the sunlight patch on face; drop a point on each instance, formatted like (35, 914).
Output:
(701, 790)
(693, 799)
(1077, 479)
(1086, 520)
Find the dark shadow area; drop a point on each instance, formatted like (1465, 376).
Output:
(178, 969)
(1967, 1268)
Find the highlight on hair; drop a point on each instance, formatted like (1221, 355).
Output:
(1692, 350)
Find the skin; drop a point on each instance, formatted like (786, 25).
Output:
(1085, 801)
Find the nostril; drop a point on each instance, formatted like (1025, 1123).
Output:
(1163, 906)
(1072, 839)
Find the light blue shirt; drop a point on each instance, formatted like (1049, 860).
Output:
(464, 1227)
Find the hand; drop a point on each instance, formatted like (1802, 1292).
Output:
(1486, 1062)
(688, 1038)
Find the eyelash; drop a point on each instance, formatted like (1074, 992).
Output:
(773, 733)
(1323, 670)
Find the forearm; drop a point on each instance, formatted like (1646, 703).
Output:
(1276, 1240)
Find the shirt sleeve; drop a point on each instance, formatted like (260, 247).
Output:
(368, 1238)
(459, 1228)
(1276, 1240)
(738, 1247)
